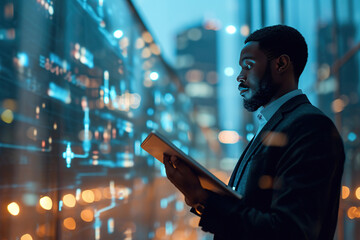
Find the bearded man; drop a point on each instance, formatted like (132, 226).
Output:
(290, 173)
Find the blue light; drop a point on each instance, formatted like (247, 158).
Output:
(169, 98)
(149, 124)
(352, 136)
(106, 87)
(229, 71)
(249, 127)
(111, 225)
(249, 136)
(59, 93)
(231, 29)
(185, 149)
(179, 206)
(150, 161)
(154, 76)
(60, 205)
(167, 122)
(97, 223)
(77, 194)
(68, 155)
(86, 119)
(150, 112)
(23, 59)
(113, 97)
(169, 228)
(162, 170)
(163, 203)
(118, 34)
(137, 148)
(157, 97)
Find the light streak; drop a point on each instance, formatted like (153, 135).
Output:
(106, 87)
(97, 213)
(68, 155)
(28, 148)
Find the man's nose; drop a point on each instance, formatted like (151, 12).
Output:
(241, 78)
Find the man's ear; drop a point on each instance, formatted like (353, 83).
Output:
(282, 63)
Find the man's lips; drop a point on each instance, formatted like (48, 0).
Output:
(243, 89)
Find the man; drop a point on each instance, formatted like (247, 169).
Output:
(290, 173)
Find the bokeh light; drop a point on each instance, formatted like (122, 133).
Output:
(154, 76)
(26, 237)
(88, 196)
(13, 209)
(69, 223)
(338, 105)
(69, 200)
(97, 194)
(245, 30)
(229, 71)
(345, 192)
(87, 215)
(46, 203)
(231, 29)
(357, 193)
(147, 37)
(7, 116)
(228, 137)
(353, 212)
(118, 34)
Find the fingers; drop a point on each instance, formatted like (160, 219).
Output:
(174, 161)
(172, 164)
(168, 165)
(170, 160)
(166, 160)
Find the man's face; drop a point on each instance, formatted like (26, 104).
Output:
(256, 82)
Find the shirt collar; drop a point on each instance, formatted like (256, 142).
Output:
(266, 113)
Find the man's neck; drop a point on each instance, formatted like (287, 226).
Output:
(281, 93)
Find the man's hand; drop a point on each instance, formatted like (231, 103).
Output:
(185, 180)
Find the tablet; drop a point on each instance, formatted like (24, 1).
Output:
(156, 145)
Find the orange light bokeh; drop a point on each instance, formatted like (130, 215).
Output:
(13, 208)
(345, 192)
(87, 215)
(88, 196)
(69, 223)
(46, 203)
(69, 200)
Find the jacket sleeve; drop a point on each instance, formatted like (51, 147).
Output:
(305, 188)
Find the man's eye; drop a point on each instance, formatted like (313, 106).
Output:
(248, 67)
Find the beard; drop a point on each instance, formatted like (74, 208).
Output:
(263, 94)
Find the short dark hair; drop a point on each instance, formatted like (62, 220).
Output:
(281, 39)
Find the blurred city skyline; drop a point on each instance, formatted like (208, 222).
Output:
(330, 79)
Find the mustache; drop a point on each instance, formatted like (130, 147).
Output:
(242, 86)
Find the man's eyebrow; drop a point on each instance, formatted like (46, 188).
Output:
(246, 58)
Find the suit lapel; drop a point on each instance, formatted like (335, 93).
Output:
(269, 126)
(232, 178)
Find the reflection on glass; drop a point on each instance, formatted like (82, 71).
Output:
(80, 90)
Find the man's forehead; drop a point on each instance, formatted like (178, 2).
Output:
(250, 50)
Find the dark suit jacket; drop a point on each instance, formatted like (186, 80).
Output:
(293, 186)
